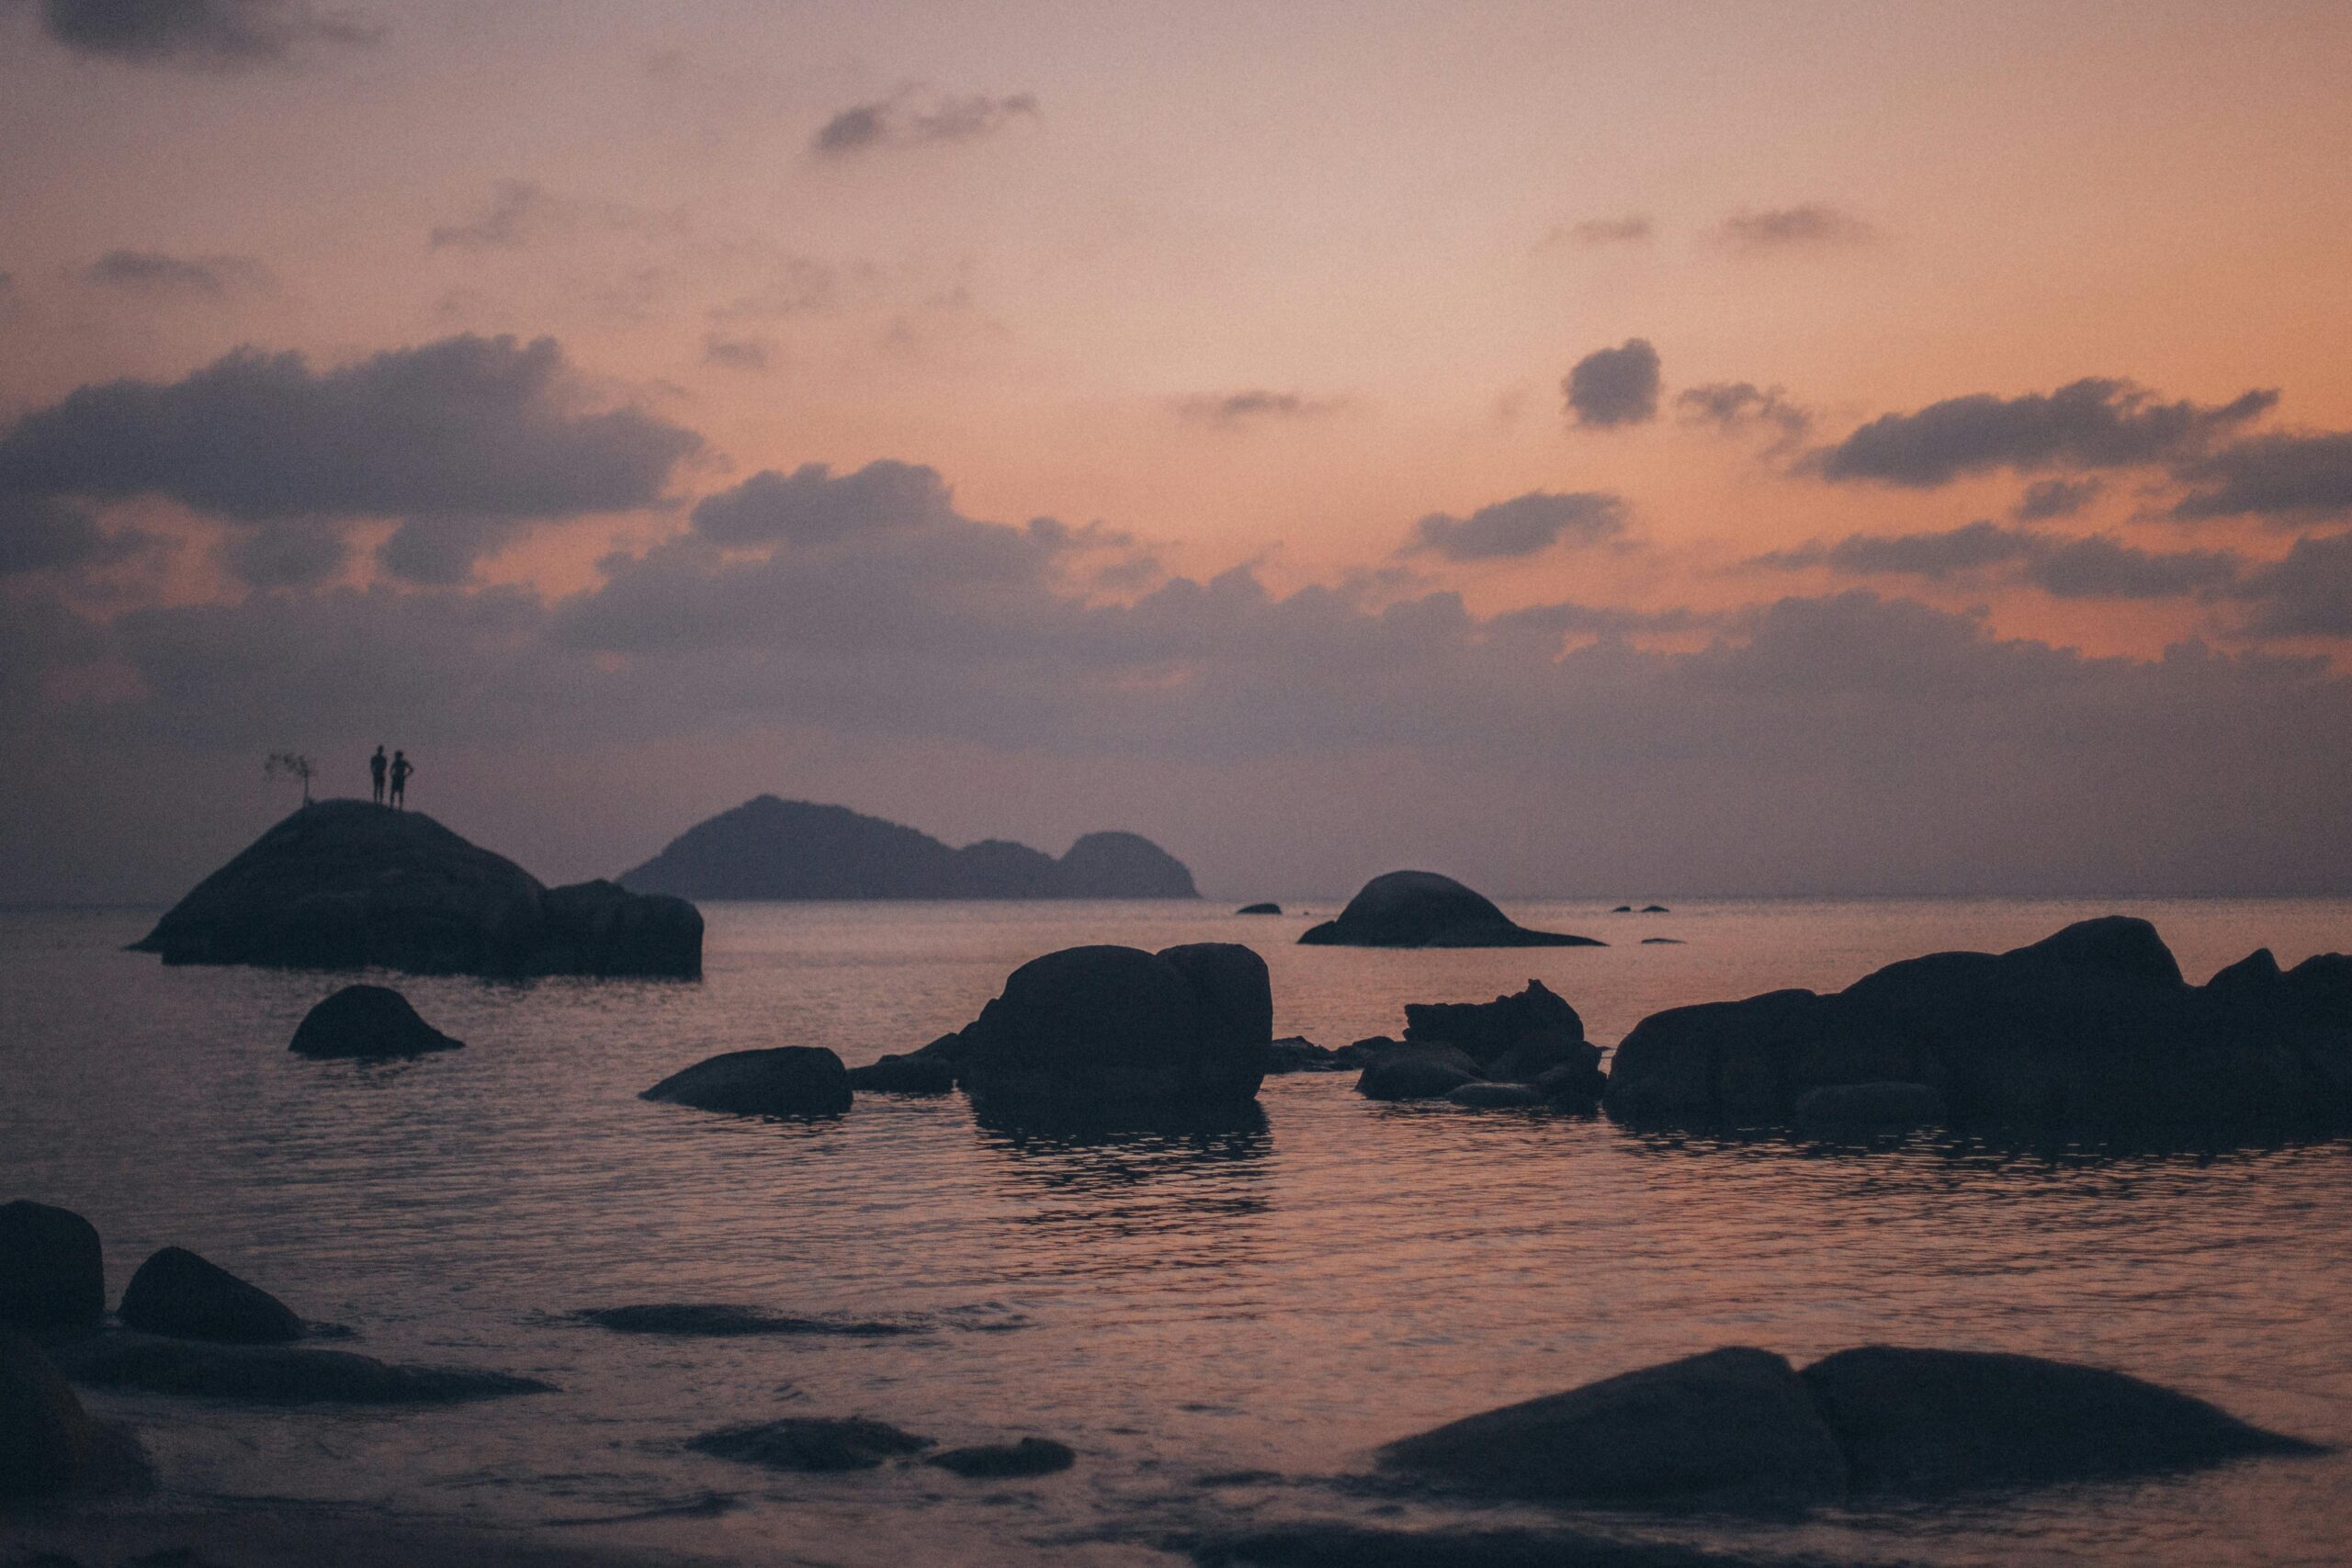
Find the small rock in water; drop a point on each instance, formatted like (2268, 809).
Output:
(1412, 1072)
(720, 1320)
(273, 1374)
(1297, 1054)
(787, 1080)
(52, 1273)
(1661, 942)
(1258, 909)
(368, 1020)
(1030, 1456)
(1495, 1096)
(811, 1443)
(931, 1070)
(178, 1294)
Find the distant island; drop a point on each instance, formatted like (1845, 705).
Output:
(768, 848)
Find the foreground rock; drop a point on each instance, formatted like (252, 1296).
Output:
(931, 1070)
(1030, 1456)
(796, 1081)
(368, 1020)
(1914, 1422)
(1095, 1031)
(722, 1320)
(1333, 1544)
(811, 1443)
(1522, 1049)
(1297, 1054)
(52, 1273)
(48, 1445)
(178, 1294)
(1868, 1107)
(1417, 1073)
(272, 1374)
(1731, 1429)
(2092, 1027)
(346, 885)
(1421, 908)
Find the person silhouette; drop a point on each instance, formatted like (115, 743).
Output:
(376, 773)
(402, 768)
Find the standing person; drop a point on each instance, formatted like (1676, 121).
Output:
(402, 768)
(376, 773)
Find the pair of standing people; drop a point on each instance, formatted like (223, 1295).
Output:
(397, 770)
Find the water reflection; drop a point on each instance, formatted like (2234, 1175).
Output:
(1186, 1196)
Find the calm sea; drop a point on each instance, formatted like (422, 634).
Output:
(1274, 1301)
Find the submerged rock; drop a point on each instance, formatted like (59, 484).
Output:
(1494, 1096)
(1030, 1456)
(1916, 1423)
(273, 1374)
(368, 1020)
(2091, 1027)
(811, 1443)
(1412, 1072)
(52, 1273)
(1734, 1427)
(1092, 1031)
(797, 1081)
(1258, 909)
(48, 1445)
(1297, 1054)
(931, 1070)
(346, 885)
(1421, 908)
(178, 1294)
(720, 1320)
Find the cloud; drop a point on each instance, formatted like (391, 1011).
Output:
(813, 506)
(1614, 386)
(41, 534)
(2096, 422)
(2046, 499)
(1631, 229)
(161, 276)
(735, 353)
(2097, 567)
(1521, 526)
(917, 118)
(2307, 594)
(2283, 477)
(514, 209)
(1809, 227)
(1735, 407)
(217, 34)
(1233, 410)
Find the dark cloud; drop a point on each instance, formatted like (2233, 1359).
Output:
(41, 534)
(915, 117)
(736, 353)
(294, 554)
(1614, 386)
(1971, 547)
(1804, 227)
(2307, 594)
(1231, 410)
(1524, 525)
(2285, 476)
(206, 33)
(157, 274)
(2103, 567)
(2045, 498)
(1737, 407)
(811, 506)
(515, 207)
(2096, 422)
(2097, 567)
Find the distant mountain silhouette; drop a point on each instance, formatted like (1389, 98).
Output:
(768, 848)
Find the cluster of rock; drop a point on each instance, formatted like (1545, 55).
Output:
(1741, 1429)
(1527, 1048)
(1421, 909)
(2092, 1027)
(347, 884)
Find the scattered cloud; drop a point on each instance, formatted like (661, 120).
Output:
(1809, 227)
(210, 34)
(1229, 411)
(2096, 422)
(1739, 407)
(736, 353)
(813, 506)
(159, 275)
(915, 116)
(2307, 594)
(1614, 386)
(1521, 526)
(1632, 228)
(2100, 566)
(2046, 499)
(514, 210)
(2283, 477)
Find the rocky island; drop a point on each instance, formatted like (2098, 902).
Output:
(345, 884)
(768, 848)
(1421, 908)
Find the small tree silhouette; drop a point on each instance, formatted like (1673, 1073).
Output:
(292, 762)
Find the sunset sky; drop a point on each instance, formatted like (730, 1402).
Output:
(1586, 448)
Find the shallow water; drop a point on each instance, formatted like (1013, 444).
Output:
(1275, 1300)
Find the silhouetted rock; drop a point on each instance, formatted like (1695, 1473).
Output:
(811, 1443)
(931, 1070)
(1421, 908)
(1734, 1427)
(1105, 1030)
(272, 1374)
(718, 1320)
(1661, 942)
(768, 848)
(2091, 1027)
(1030, 1456)
(1656, 909)
(346, 885)
(1572, 1085)
(178, 1294)
(1416, 1072)
(368, 1020)
(1323, 1543)
(1297, 1054)
(1865, 1105)
(1494, 1096)
(1258, 909)
(1920, 1422)
(1623, 909)
(1512, 1038)
(784, 1080)
(52, 1273)
(48, 1445)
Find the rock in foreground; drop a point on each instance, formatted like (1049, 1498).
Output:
(178, 1294)
(1523, 1049)
(931, 1070)
(1421, 908)
(368, 1020)
(786, 1080)
(52, 1273)
(811, 1443)
(48, 1445)
(346, 885)
(273, 1374)
(1030, 1456)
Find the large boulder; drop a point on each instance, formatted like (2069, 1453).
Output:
(1417, 1072)
(48, 1444)
(272, 1374)
(1868, 1107)
(1421, 908)
(368, 1020)
(52, 1274)
(1920, 1421)
(178, 1294)
(784, 1080)
(1734, 1427)
(2093, 1026)
(347, 884)
(1091, 1032)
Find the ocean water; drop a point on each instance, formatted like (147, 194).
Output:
(1266, 1304)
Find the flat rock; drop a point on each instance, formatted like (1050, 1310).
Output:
(1412, 1072)
(811, 1443)
(1258, 909)
(1333, 1544)
(1494, 1096)
(272, 1374)
(720, 1320)
(178, 1294)
(368, 1020)
(1030, 1456)
(794, 1081)
(1916, 1423)
(52, 1272)
(1421, 909)
(1732, 1429)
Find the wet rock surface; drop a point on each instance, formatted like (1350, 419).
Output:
(49, 1447)
(1029, 1456)
(1421, 909)
(814, 1443)
(789, 1081)
(52, 1270)
(368, 1020)
(272, 1374)
(178, 1294)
